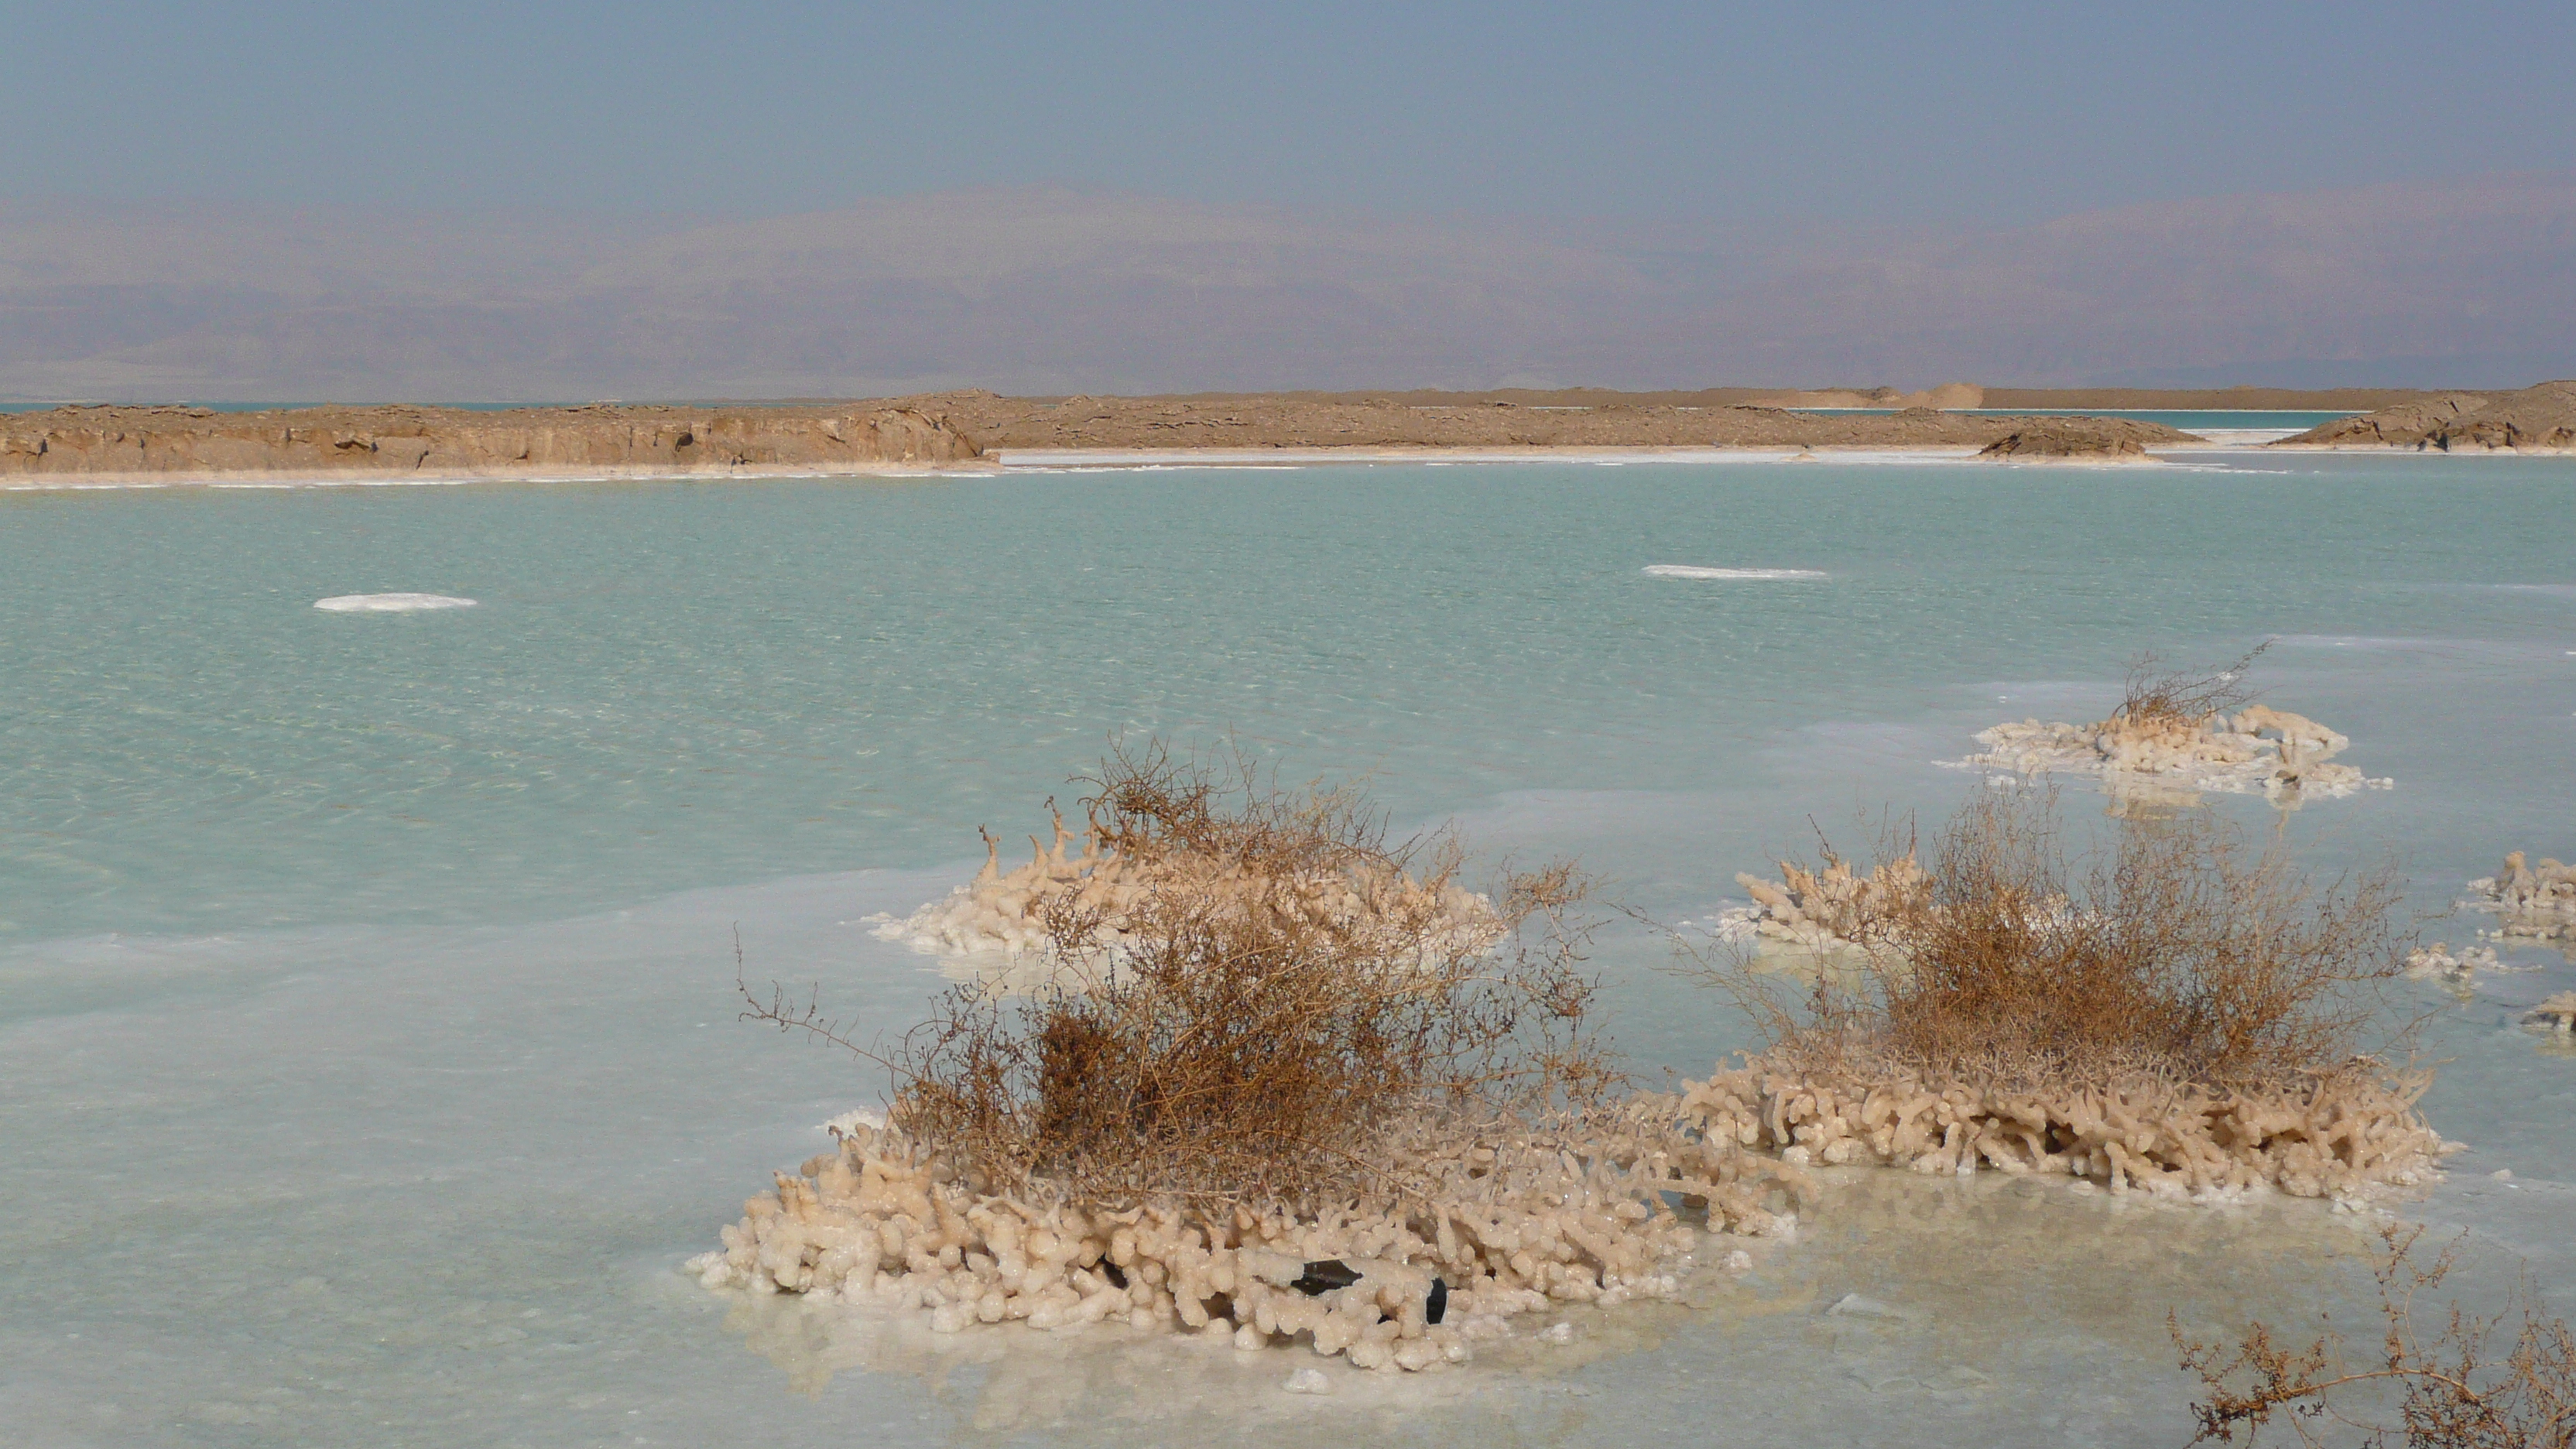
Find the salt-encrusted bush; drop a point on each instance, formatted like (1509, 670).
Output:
(2179, 1013)
(1221, 1084)
(1822, 910)
(2175, 735)
(2323, 1134)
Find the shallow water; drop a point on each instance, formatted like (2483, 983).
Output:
(367, 1053)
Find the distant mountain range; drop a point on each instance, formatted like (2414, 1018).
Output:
(2468, 283)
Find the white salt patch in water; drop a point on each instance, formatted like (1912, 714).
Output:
(389, 603)
(1694, 571)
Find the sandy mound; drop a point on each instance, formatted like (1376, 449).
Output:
(2536, 419)
(2259, 750)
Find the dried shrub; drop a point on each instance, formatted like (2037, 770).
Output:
(2177, 1013)
(2178, 950)
(2451, 1389)
(1287, 997)
(2160, 697)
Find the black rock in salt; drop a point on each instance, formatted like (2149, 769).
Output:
(1324, 1276)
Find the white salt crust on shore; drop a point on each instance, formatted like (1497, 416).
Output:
(1004, 913)
(2257, 751)
(1504, 1228)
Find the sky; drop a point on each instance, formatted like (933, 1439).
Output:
(1856, 113)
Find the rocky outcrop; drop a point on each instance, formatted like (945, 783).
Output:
(2065, 444)
(106, 444)
(2538, 419)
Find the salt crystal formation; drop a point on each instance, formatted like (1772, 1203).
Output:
(2333, 1135)
(1500, 1230)
(1825, 910)
(2558, 1013)
(1006, 913)
(2535, 901)
(2436, 960)
(2259, 750)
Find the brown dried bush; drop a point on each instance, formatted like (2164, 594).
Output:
(2156, 696)
(1241, 1043)
(2177, 951)
(2451, 1391)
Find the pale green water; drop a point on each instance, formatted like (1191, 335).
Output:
(365, 1047)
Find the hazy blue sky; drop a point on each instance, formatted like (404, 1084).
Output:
(1899, 113)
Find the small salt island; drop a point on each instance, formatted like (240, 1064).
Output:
(2169, 1018)
(1285, 1084)
(2537, 903)
(2175, 736)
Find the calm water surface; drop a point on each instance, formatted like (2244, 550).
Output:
(367, 1053)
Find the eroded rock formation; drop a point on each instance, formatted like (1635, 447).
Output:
(606, 440)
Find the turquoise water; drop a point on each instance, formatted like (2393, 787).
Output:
(366, 1041)
(2190, 420)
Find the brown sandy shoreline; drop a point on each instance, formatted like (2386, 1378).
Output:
(125, 445)
(119, 445)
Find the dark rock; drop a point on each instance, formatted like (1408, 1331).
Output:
(1324, 1276)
